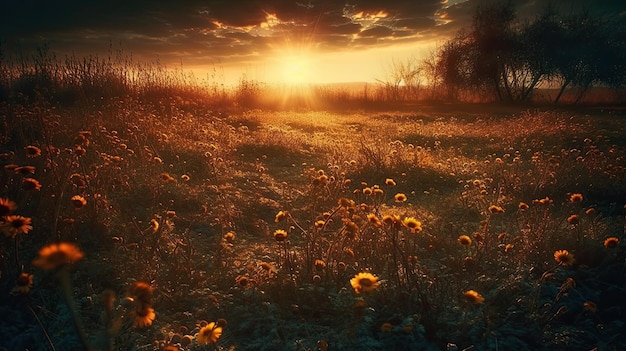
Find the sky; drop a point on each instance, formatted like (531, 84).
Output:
(301, 41)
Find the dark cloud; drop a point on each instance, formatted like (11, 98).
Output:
(198, 30)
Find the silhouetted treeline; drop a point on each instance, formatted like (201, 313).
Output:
(501, 58)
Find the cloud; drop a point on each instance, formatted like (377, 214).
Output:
(195, 30)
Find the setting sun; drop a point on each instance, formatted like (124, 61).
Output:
(295, 69)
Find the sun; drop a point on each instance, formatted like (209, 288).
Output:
(296, 69)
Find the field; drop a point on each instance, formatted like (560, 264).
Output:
(166, 223)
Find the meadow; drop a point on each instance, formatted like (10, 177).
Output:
(164, 221)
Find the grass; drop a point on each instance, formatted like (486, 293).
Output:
(454, 212)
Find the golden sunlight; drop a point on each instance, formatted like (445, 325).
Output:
(295, 69)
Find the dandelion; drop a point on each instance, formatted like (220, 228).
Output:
(32, 151)
(590, 306)
(24, 284)
(465, 240)
(590, 211)
(611, 242)
(413, 224)
(319, 265)
(400, 197)
(154, 225)
(378, 192)
(576, 198)
(58, 255)
(391, 219)
(78, 201)
(24, 170)
(473, 297)
(280, 216)
(573, 219)
(373, 220)
(564, 257)
(390, 182)
(522, 206)
(495, 209)
(6, 207)
(14, 225)
(367, 191)
(142, 292)
(30, 184)
(143, 316)
(364, 282)
(280, 235)
(229, 237)
(209, 333)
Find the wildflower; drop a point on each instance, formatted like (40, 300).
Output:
(576, 198)
(350, 228)
(319, 224)
(400, 197)
(317, 279)
(495, 209)
(413, 224)
(348, 251)
(170, 214)
(143, 316)
(522, 206)
(280, 216)
(242, 281)
(590, 211)
(141, 292)
(508, 247)
(611, 242)
(267, 267)
(32, 151)
(465, 240)
(6, 207)
(78, 201)
(378, 191)
(364, 282)
(24, 170)
(373, 220)
(573, 219)
(14, 225)
(58, 255)
(386, 327)
(590, 306)
(229, 237)
(280, 235)
(79, 151)
(30, 184)
(78, 180)
(209, 333)
(167, 177)
(185, 177)
(24, 284)
(367, 191)
(391, 219)
(473, 297)
(390, 182)
(154, 225)
(320, 265)
(564, 257)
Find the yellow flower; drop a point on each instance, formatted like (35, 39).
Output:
(373, 220)
(209, 333)
(143, 316)
(280, 235)
(167, 177)
(390, 182)
(465, 240)
(576, 198)
(611, 242)
(564, 257)
(473, 297)
(58, 255)
(573, 219)
(522, 206)
(496, 209)
(154, 225)
(30, 184)
(14, 225)
(400, 197)
(24, 170)
(280, 216)
(32, 151)
(364, 282)
(6, 207)
(413, 224)
(367, 191)
(320, 265)
(141, 292)
(78, 201)
(229, 237)
(590, 211)
(24, 284)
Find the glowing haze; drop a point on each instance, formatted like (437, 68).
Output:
(305, 41)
